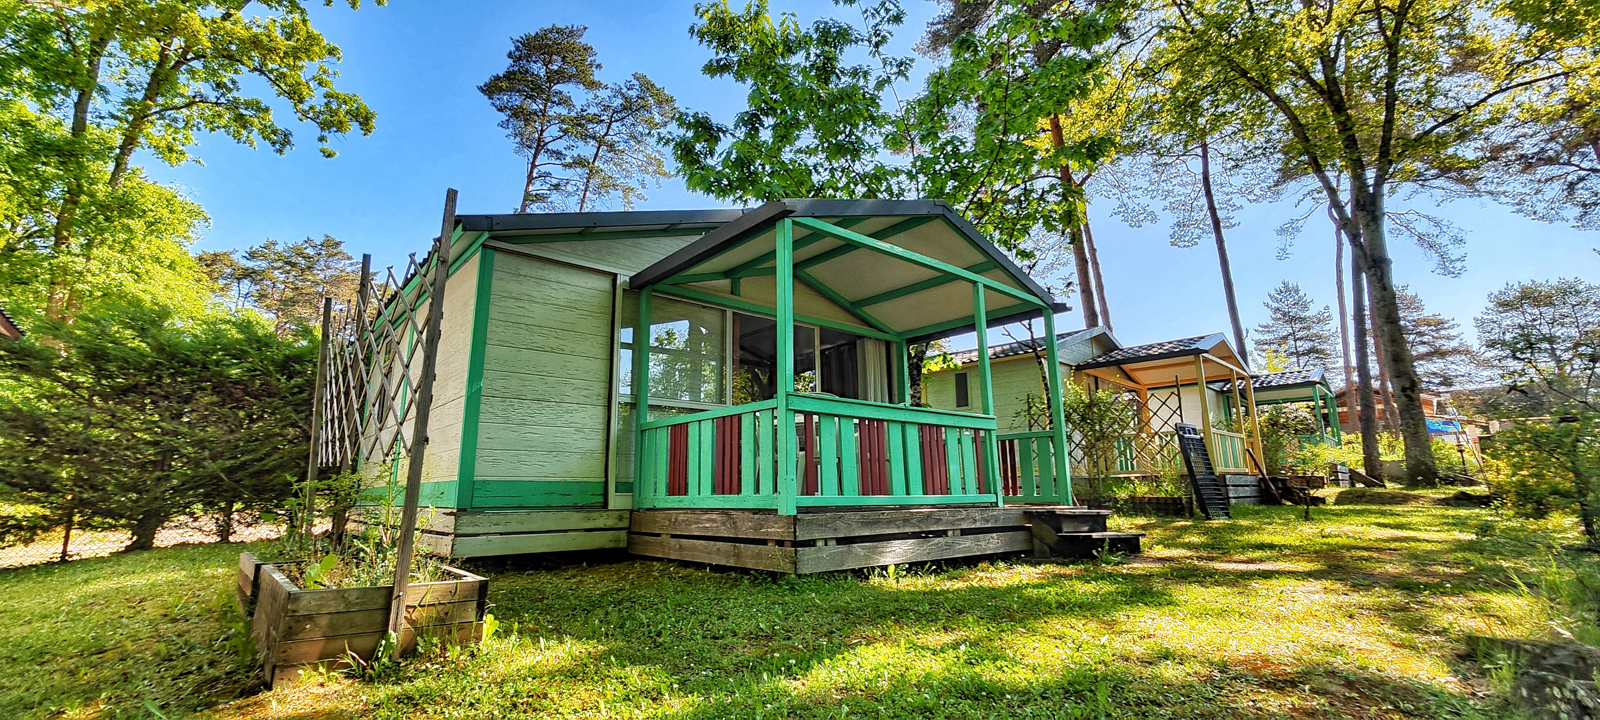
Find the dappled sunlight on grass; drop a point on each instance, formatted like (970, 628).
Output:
(1357, 613)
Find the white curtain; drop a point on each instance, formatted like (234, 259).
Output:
(872, 365)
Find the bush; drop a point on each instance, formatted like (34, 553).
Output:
(1543, 467)
(130, 416)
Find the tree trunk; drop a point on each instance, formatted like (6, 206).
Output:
(1371, 463)
(225, 523)
(72, 199)
(1401, 366)
(1222, 255)
(1094, 269)
(144, 530)
(916, 356)
(1086, 289)
(1344, 320)
(1391, 417)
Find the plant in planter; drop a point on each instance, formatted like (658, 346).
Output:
(325, 600)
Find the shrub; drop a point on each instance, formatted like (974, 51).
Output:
(1542, 467)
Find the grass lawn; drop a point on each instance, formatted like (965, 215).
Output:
(1359, 613)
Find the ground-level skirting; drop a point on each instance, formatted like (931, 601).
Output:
(825, 540)
(485, 533)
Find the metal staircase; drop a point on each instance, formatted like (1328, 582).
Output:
(1209, 492)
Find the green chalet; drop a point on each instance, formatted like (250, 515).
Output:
(778, 434)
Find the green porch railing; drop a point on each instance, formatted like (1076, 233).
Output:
(847, 453)
(1027, 468)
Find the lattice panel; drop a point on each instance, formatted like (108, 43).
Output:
(374, 359)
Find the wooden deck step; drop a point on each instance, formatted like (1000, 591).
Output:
(1069, 519)
(1091, 544)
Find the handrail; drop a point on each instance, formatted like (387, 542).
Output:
(711, 414)
(801, 402)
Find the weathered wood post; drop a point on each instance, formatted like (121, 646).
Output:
(419, 434)
(318, 397)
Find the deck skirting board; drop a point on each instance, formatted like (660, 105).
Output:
(827, 541)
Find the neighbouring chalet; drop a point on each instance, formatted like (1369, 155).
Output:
(1190, 380)
(8, 327)
(771, 344)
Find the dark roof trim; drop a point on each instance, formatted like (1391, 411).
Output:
(754, 222)
(579, 221)
(731, 233)
(1201, 347)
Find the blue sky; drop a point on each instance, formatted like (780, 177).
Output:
(418, 65)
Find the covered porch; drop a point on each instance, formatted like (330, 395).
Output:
(1308, 388)
(801, 403)
(1180, 381)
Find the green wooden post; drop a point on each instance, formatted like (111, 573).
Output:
(784, 382)
(1058, 423)
(991, 445)
(643, 492)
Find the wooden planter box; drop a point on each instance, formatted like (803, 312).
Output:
(295, 628)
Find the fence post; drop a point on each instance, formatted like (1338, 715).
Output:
(317, 397)
(419, 434)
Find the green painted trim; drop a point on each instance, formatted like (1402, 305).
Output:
(642, 490)
(1058, 423)
(903, 368)
(903, 254)
(870, 500)
(783, 375)
(845, 407)
(749, 267)
(710, 502)
(472, 403)
(754, 309)
(840, 300)
(712, 414)
(472, 247)
(847, 248)
(991, 447)
(961, 323)
(928, 284)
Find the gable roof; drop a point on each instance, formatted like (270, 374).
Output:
(1156, 351)
(1023, 347)
(1285, 379)
(905, 298)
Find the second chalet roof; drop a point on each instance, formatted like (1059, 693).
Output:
(1169, 362)
(1023, 347)
(1285, 380)
(1163, 350)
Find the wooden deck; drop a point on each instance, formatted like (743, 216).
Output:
(826, 539)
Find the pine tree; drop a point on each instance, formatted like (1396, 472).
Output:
(585, 142)
(1444, 359)
(285, 282)
(1297, 329)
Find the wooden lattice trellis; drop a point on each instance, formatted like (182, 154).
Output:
(373, 356)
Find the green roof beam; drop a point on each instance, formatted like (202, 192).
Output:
(748, 267)
(928, 284)
(839, 300)
(905, 255)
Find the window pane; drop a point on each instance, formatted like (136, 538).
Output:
(688, 345)
(755, 358)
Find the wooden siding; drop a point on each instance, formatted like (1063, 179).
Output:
(1013, 379)
(449, 392)
(546, 383)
